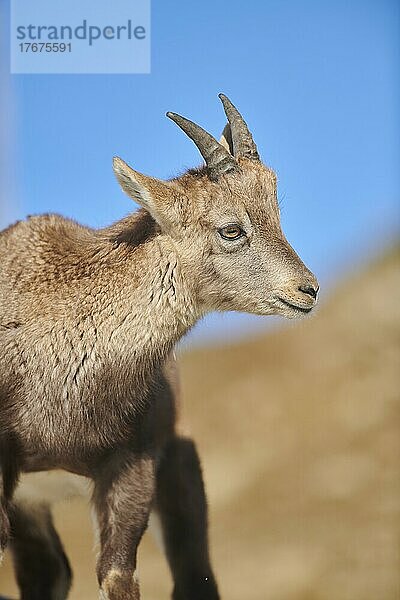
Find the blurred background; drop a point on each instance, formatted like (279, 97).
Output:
(297, 424)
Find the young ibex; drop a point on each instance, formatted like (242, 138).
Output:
(88, 320)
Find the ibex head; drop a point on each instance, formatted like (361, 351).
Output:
(224, 222)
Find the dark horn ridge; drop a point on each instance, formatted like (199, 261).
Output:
(218, 159)
(243, 143)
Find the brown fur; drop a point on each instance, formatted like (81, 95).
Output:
(181, 503)
(42, 568)
(87, 321)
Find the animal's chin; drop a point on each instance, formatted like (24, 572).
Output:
(275, 307)
(293, 311)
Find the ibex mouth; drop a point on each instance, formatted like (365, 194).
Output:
(301, 309)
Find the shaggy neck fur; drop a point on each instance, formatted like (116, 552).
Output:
(156, 302)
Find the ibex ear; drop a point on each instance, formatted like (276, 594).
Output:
(226, 138)
(154, 195)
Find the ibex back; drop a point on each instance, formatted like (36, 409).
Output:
(88, 319)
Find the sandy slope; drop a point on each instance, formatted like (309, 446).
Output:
(299, 434)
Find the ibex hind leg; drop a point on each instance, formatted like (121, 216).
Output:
(9, 470)
(41, 566)
(4, 530)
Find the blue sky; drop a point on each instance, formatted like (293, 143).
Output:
(317, 82)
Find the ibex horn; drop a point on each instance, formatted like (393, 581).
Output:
(243, 143)
(218, 159)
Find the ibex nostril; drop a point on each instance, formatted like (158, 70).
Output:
(310, 290)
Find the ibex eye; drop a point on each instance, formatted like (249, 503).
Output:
(231, 232)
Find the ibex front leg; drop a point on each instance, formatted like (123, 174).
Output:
(181, 504)
(123, 494)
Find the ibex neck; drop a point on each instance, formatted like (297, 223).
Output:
(154, 306)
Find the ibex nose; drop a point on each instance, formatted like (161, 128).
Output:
(310, 290)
